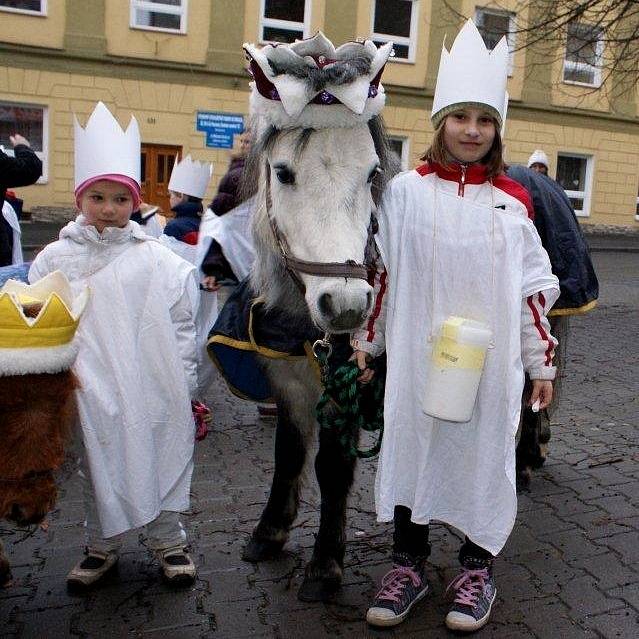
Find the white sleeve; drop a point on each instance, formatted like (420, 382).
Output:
(371, 337)
(537, 344)
(39, 267)
(183, 312)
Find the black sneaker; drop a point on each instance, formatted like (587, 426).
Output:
(475, 594)
(402, 587)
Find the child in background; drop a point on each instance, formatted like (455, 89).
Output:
(187, 186)
(136, 361)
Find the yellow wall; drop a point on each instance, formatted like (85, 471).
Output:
(33, 30)
(155, 45)
(166, 114)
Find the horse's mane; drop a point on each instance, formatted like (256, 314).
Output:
(269, 277)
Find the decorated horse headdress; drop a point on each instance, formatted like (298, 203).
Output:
(311, 84)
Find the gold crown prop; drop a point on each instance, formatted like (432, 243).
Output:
(37, 325)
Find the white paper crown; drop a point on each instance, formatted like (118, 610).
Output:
(190, 177)
(470, 73)
(312, 84)
(103, 147)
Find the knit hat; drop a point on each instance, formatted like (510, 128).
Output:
(538, 157)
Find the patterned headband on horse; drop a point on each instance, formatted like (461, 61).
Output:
(311, 84)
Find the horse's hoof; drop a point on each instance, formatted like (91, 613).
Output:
(319, 589)
(261, 550)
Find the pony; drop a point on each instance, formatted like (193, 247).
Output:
(316, 181)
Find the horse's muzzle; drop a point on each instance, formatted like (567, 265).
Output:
(344, 310)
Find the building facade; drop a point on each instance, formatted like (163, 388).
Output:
(178, 65)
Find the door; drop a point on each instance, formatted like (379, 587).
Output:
(157, 164)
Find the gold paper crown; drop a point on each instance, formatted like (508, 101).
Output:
(41, 343)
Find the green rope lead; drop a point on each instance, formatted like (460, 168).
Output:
(345, 406)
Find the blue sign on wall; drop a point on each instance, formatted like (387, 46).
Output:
(220, 127)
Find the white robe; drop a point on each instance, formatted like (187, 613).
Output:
(9, 214)
(206, 315)
(459, 473)
(136, 366)
(232, 232)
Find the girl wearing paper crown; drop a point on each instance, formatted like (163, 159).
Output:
(136, 362)
(460, 309)
(187, 186)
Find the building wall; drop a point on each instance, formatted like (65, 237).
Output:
(165, 79)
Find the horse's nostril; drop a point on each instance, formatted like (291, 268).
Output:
(325, 304)
(369, 299)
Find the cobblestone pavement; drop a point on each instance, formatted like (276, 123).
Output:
(570, 568)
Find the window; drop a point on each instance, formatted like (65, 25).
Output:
(31, 122)
(574, 174)
(400, 146)
(584, 49)
(493, 26)
(159, 15)
(284, 20)
(396, 21)
(36, 7)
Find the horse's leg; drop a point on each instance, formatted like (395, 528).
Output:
(5, 569)
(295, 421)
(335, 468)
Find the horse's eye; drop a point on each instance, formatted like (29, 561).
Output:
(285, 175)
(373, 173)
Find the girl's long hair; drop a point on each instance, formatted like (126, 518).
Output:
(493, 160)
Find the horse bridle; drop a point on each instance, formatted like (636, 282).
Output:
(294, 266)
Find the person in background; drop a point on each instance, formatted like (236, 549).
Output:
(22, 170)
(538, 161)
(228, 192)
(150, 218)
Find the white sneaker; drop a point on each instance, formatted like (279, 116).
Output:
(91, 569)
(177, 566)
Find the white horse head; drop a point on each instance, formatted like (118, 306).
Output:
(321, 184)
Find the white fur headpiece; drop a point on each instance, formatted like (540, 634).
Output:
(103, 147)
(312, 84)
(191, 177)
(471, 74)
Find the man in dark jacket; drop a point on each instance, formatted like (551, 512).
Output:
(569, 255)
(23, 169)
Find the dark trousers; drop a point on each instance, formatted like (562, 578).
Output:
(412, 539)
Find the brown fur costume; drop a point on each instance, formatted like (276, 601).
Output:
(36, 413)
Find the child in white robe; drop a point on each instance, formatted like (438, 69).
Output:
(455, 239)
(136, 366)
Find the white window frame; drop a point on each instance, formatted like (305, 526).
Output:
(570, 65)
(410, 41)
(28, 12)
(510, 36)
(289, 25)
(44, 154)
(405, 154)
(182, 11)
(586, 194)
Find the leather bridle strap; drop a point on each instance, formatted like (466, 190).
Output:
(294, 265)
